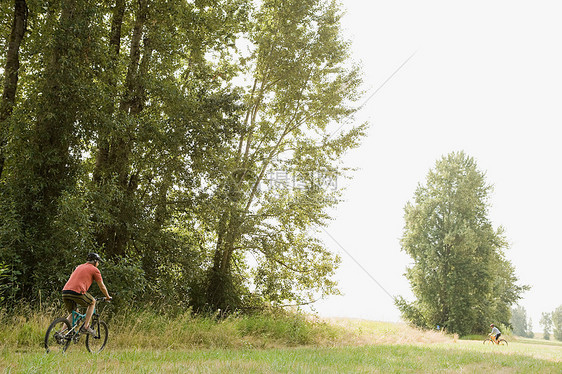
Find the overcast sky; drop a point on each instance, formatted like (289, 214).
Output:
(486, 78)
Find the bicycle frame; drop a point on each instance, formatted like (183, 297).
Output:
(77, 317)
(493, 341)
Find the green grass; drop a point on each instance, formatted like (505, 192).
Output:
(449, 357)
(148, 342)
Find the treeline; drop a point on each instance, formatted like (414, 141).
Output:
(550, 322)
(156, 132)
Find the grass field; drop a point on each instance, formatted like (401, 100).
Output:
(470, 357)
(258, 345)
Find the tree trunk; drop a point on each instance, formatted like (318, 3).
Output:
(113, 159)
(116, 24)
(221, 292)
(11, 71)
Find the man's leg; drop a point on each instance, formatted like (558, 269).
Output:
(70, 306)
(69, 319)
(89, 313)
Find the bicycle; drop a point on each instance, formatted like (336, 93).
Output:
(501, 341)
(61, 332)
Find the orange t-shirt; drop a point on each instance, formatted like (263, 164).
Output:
(82, 278)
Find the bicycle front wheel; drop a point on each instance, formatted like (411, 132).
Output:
(57, 338)
(487, 342)
(96, 343)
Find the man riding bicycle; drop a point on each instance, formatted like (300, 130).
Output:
(495, 334)
(75, 291)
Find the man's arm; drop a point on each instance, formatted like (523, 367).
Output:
(103, 289)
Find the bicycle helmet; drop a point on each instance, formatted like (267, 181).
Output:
(492, 325)
(93, 257)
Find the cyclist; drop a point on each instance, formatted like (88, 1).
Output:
(495, 334)
(75, 291)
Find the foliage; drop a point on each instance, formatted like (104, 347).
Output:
(146, 130)
(460, 276)
(557, 323)
(3, 276)
(4, 285)
(300, 82)
(546, 323)
(8, 284)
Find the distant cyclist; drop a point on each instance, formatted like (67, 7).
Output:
(75, 292)
(495, 334)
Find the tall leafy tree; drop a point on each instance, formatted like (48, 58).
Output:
(301, 80)
(460, 276)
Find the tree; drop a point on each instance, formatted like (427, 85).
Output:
(546, 323)
(301, 81)
(460, 276)
(557, 323)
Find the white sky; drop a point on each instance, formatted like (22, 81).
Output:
(486, 78)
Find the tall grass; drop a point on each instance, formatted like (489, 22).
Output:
(23, 327)
(148, 328)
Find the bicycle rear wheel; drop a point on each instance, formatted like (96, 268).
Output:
(96, 343)
(57, 338)
(502, 342)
